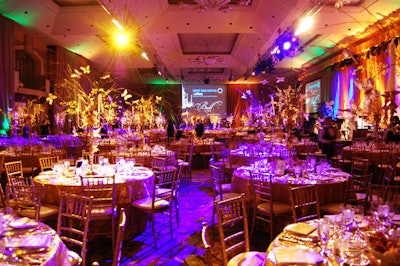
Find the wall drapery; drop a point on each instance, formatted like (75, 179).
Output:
(7, 67)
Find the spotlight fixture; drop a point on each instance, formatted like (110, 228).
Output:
(285, 45)
(206, 80)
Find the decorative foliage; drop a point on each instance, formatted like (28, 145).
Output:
(325, 109)
(89, 104)
(144, 113)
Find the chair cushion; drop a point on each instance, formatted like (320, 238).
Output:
(183, 163)
(253, 258)
(228, 196)
(333, 208)
(279, 208)
(46, 211)
(226, 188)
(146, 204)
(100, 212)
(361, 196)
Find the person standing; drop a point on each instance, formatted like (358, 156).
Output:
(327, 137)
(171, 130)
(199, 129)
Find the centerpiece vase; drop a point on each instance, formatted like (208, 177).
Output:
(91, 152)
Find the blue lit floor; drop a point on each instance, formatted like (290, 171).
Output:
(185, 248)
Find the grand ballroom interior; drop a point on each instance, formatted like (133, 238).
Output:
(199, 132)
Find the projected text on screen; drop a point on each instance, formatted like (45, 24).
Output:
(313, 95)
(204, 100)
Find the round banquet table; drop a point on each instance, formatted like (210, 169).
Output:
(331, 188)
(147, 155)
(34, 243)
(130, 187)
(293, 248)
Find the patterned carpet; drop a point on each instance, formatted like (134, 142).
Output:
(185, 247)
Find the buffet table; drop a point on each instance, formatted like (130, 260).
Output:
(133, 184)
(331, 186)
(27, 242)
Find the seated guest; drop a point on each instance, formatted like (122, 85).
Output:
(392, 133)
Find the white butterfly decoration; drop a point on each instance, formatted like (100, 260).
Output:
(340, 3)
(280, 79)
(77, 74)
(51, 98)
(264, 82)
(105, 76)
(85, 70)
(126, 95)
(158, 99)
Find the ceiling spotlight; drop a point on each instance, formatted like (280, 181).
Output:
(287, 45)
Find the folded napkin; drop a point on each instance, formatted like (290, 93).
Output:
(23, 223)
(296, 256)
(31, 241)
(300, 228)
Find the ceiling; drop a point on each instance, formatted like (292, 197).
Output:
(191, 43)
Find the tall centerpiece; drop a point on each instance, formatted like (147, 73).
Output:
(88, 101)
(290, 113)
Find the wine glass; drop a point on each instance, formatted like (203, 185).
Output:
(323, 230)
(358, 216)
(297, 170)
(347, 218)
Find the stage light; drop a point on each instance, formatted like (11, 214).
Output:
(305, 25)
(121, 39)
(287, 45)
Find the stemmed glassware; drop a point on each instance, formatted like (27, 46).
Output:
(298, 170)
(358, 216)
(324, 232)
(347, 218)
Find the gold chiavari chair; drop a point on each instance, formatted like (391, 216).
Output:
(305, 204)
(120, 237)
(27, 202)
(46, 163)
(265, 209)
(234, 233)
(73, 225)
(206, 245)
(104, 207)
(160, 201)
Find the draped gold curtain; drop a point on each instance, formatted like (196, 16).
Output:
(235, 104)
(7, 68)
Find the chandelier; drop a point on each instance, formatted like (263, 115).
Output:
(221, 5)
(207, 60)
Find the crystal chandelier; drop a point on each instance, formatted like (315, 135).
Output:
(221, 5)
